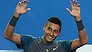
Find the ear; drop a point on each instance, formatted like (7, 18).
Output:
(44, 27)
(59, 32)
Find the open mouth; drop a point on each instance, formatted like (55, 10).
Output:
(50, 37)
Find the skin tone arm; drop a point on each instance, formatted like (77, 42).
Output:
(75, 12)
(9, 31)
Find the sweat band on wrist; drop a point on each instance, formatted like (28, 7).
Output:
(13, 21)
(80, 25)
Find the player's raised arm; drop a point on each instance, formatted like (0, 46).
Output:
(9, 31)
(75, 12)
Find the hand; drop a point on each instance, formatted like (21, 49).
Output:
(75, 12)
(21, 7)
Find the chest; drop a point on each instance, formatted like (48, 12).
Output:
(40, 47)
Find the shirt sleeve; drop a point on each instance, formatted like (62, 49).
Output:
(25, 42)
(66, 45)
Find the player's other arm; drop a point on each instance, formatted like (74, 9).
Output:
(9, 31)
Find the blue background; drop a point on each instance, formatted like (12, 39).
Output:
(33, 21)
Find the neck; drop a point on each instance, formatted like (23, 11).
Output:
(44, 41)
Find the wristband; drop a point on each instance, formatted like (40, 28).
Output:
(13, 21)
(80, 25)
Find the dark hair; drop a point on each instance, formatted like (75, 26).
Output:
(55, 20)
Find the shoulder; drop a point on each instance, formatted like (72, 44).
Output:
(26, 40)
(65, 44)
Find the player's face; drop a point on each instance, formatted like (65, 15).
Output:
(51, 31)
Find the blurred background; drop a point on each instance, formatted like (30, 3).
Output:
(33, 21)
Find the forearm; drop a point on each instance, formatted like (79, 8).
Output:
(8, 31)
(11, 25)
(81, 31)
(83, 36)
